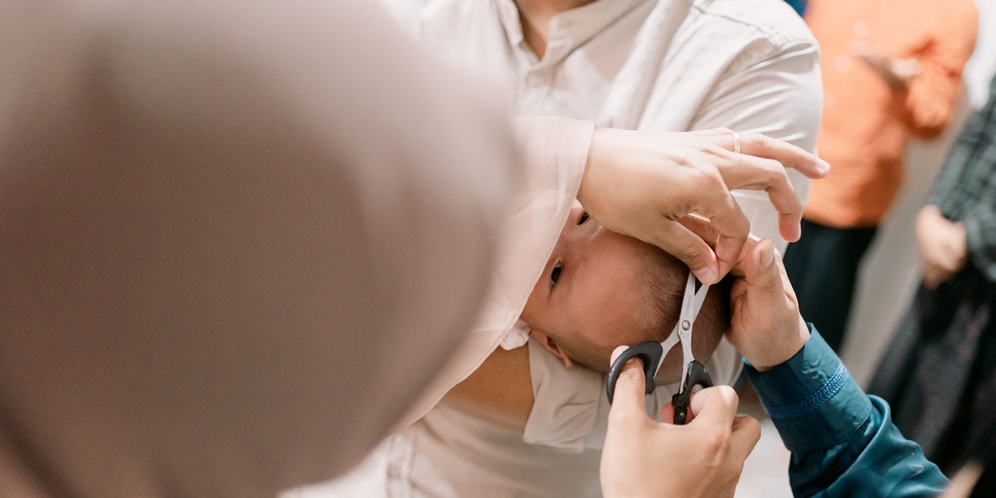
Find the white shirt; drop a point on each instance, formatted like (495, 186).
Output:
(668, 65)
(678, 65)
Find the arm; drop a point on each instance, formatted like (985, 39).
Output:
(958, 221)
(843, 442)
(930, 95)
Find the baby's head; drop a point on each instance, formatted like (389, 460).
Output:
(601, 289)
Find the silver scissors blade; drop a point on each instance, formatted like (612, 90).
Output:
(691, 304)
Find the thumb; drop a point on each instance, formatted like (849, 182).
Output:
(628, 399)
(762, 272)
(714, 406)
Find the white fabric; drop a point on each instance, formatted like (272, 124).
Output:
(570, 412)
(218, 221)
(517, 337)
(667, 65)
(555, 153)
(450, 454)
(653, 65)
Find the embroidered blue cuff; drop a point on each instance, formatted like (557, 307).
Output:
(812, 398)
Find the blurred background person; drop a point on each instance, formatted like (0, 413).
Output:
(939, 371)
(891, 71)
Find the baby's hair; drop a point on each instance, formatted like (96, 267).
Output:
(662, 285)
(660, 275)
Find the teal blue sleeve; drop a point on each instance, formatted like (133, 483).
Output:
(843, 441)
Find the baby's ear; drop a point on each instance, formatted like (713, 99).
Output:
(551, 345)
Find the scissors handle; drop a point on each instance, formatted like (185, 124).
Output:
(697, 376)
(649, 352)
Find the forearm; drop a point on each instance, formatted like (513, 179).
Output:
(930, 96)
(843, 442)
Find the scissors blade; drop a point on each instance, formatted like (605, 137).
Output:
(690, 307)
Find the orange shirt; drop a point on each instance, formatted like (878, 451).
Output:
(865, 123)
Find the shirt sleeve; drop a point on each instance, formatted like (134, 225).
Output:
(946, 194)
(554, 153)
(776, 90)
(980, 232)
(843, 441)
(931, 95)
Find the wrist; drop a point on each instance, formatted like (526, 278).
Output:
(590, 180)
(785, 349)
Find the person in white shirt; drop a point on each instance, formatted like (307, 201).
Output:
(638, 64)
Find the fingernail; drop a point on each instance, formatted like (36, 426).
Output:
(822, 165)
(705, 275)
(767, 255)
(616, 352)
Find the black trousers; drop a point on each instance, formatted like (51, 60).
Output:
(823, 268)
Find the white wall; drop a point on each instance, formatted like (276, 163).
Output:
(891, 270)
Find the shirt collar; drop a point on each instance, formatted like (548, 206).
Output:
(568, 30)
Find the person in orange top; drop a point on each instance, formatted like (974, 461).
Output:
(891, 70)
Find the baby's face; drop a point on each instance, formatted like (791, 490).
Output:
(593, 294)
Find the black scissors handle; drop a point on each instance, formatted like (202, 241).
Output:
(697, 376)
(649, 352)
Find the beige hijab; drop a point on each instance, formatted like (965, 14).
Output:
(237, 239)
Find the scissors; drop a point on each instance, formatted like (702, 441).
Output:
(652, 354)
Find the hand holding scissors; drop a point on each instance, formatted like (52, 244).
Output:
(652, 354)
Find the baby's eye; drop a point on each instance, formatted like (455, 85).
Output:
(584, 218)
(555, 273)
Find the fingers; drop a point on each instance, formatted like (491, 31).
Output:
(628, 399)
(667, 414)
(761, 272)
(699, 226)
(756, 144)
(729, 222)
(692, 250)
(752, 173)
(714, 407)
(746, 434)
(788, 155)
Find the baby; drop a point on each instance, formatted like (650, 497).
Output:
(492, 434)
(601, 289)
